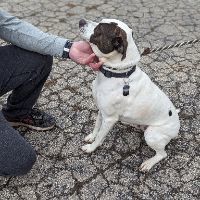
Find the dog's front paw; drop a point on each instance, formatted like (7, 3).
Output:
(147, 165)
(88, 148)
(89, 138)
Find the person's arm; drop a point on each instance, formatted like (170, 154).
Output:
(27, 36)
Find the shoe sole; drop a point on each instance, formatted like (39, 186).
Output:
(16, 124)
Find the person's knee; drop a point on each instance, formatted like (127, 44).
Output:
(27, 163)
(22, 164)
(43, 65)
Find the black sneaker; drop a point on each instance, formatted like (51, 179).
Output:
(36, 120)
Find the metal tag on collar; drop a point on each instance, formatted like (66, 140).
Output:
(126, 90)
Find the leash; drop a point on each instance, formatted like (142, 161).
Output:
(149, 51)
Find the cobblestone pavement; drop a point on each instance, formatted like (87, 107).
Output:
(62, 170)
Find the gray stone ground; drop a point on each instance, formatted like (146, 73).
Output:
(62, 170)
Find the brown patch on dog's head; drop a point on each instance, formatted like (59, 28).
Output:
(110, 37)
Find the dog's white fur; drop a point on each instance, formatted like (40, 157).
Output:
(145, 105)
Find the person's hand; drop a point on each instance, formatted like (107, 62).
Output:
(81, 53)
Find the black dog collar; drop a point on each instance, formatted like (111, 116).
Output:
(110, 74)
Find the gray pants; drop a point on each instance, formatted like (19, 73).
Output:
(24, 73)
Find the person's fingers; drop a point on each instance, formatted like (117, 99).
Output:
(95, 66)
(89, 59)
(99, 64)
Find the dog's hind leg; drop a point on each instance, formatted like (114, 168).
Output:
(157, 141)
(106, 126)
(91, 136)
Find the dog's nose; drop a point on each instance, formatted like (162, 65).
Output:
(82, 23)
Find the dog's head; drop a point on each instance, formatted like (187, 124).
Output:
(110, 39)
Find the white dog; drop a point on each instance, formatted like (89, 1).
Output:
(123, 92)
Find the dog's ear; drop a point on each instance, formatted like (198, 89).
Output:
(120, 42)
